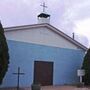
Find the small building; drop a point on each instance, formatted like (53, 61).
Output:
(45, 54)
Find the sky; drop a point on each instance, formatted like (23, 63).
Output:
(67, 15)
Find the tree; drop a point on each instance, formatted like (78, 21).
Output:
(86, 67)
(4, 55)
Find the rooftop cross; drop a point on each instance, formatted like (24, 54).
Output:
(18, 77)
(44, 6)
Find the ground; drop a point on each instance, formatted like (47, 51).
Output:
(53, 88)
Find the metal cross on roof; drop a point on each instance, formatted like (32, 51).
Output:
(18, 77)
(44, 6)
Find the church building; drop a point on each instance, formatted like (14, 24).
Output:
(43, 53)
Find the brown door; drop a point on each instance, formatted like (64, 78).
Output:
(43, 73)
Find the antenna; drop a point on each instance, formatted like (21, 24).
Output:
(73, 35)
(44, 6)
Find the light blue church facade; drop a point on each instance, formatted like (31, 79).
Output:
(44, 54)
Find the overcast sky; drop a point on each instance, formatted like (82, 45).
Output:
(67, 15)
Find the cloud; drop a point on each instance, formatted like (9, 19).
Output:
(83, 28)
(75, 11)
(17, 12)
(82, 39)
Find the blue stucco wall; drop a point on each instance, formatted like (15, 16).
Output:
(66, 63)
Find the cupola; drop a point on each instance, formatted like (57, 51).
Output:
(43, 17)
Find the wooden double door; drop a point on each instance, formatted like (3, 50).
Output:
(43, 73)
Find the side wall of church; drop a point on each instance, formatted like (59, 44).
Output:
(23, 55)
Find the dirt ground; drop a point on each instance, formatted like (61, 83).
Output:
(52, 88)
(64, 88)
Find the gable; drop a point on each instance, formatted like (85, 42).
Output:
(41, 35)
